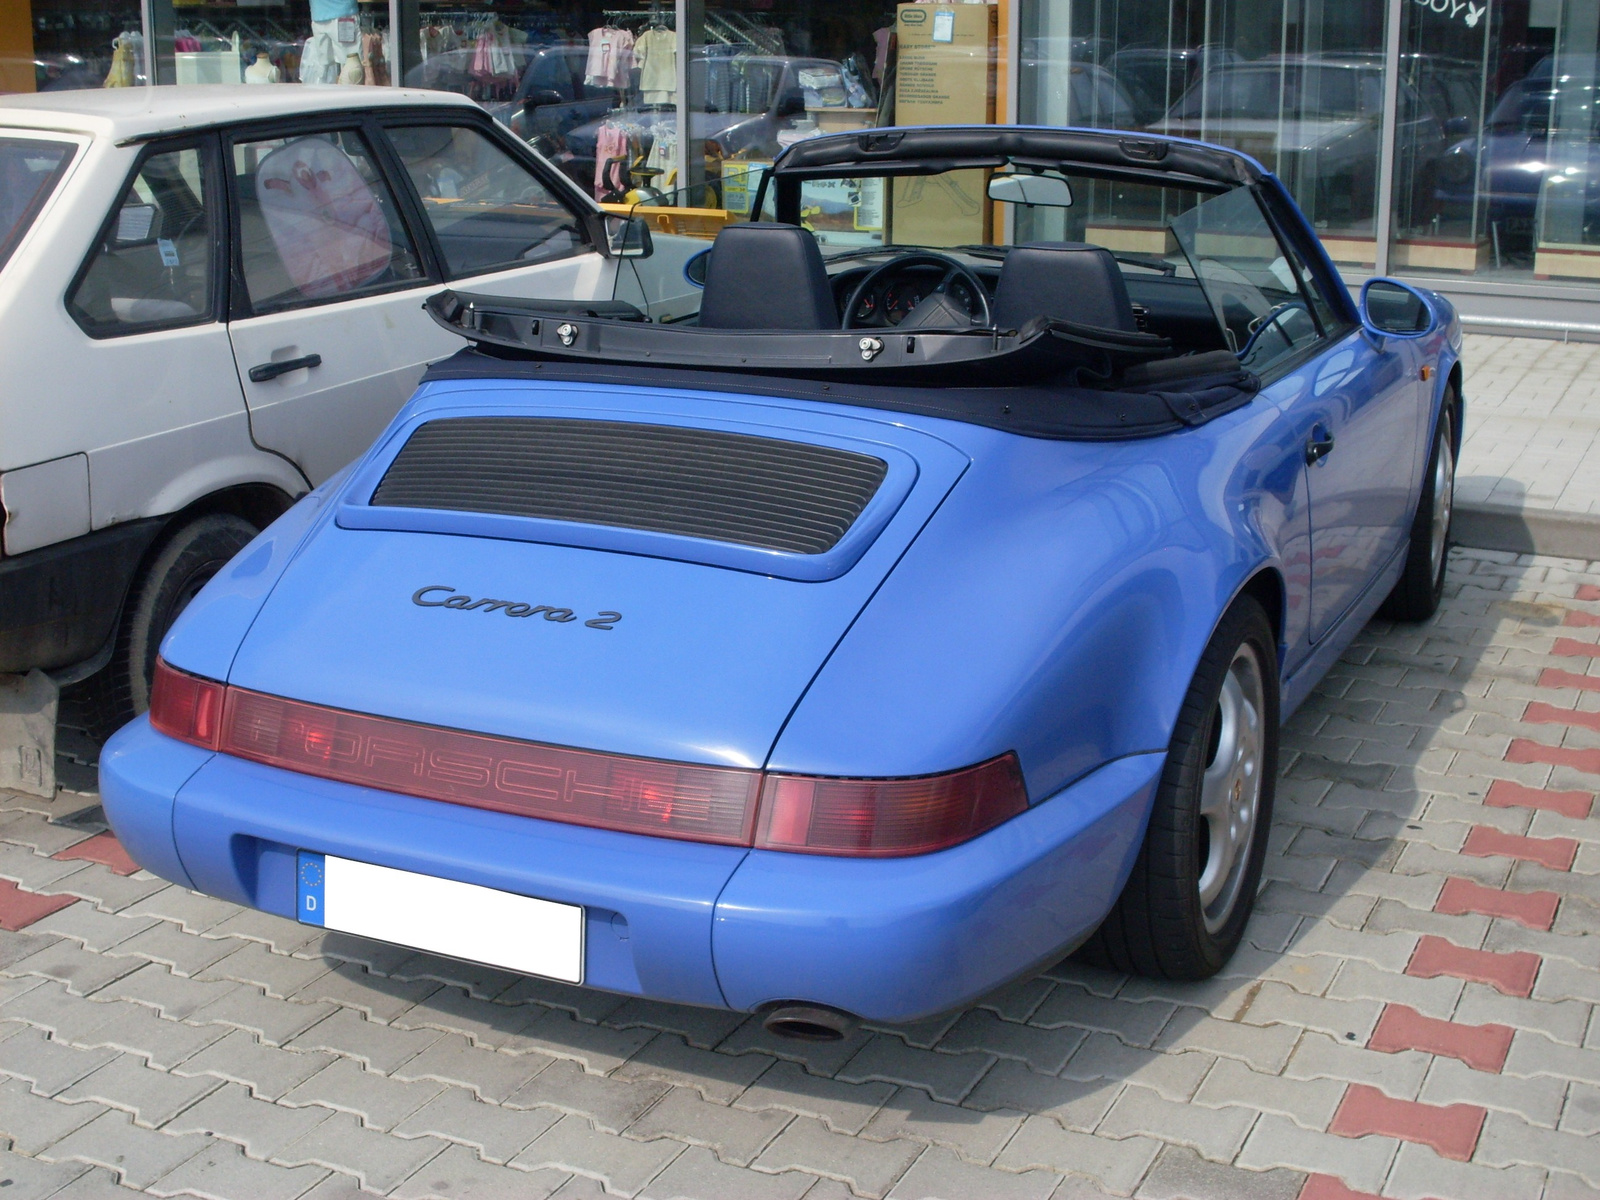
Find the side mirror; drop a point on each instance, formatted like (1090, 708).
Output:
(698, 267)
(540, 97)
(628, 237)
(1035, 191)
(1458, 126)
(1393, 309)
(791, 104)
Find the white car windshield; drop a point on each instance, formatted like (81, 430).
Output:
(29, 171)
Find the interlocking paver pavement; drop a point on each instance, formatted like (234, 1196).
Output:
(1413, 1014)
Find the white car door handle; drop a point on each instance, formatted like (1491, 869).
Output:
(265, 371)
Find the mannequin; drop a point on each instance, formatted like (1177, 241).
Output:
(336, 20)
(352, 71)
(262, 70)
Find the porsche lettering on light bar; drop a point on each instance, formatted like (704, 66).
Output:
(726, 805)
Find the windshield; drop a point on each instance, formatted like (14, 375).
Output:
(1203, 268)
(29, 172)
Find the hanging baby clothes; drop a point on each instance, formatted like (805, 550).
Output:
(656, 56)
(121, 73)
(610, 61)
(319, 60)
(611, 143)
(375, 68)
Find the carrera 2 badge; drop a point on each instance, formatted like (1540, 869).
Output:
(606, 619)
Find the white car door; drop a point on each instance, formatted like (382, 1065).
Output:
(328, 330)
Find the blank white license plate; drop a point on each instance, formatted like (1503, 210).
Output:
(459, 920)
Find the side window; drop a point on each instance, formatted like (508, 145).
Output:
(487, 209)
(1247, 278)
(154, 268)
(317, 222)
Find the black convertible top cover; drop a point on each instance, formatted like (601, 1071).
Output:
(1042, 410)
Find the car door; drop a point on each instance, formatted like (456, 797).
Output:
(333, 256)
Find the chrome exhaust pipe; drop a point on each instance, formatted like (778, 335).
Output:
(809, 1023)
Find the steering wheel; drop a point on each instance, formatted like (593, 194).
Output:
(1273, 319)
(923, 258)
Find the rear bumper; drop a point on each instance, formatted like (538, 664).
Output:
(886, 939)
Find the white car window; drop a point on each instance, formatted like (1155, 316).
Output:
(316, 221)
(154, 268)
(29, 172)
(487, 209)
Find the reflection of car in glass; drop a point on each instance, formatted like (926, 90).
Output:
(834, 654)
(1154, 77)
(1316, 122)
(205, 370)
(1517, 159)
(1082, 93)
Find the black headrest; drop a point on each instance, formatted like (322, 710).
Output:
(763, 275)
(1071, 281)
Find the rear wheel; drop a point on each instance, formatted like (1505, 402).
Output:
(183, 564)
(1416, 596)
(1183, 910)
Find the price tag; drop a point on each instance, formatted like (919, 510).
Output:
(944, 26)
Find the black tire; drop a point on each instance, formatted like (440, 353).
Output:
(179, 567)
(1161, 926)
(1416, 596)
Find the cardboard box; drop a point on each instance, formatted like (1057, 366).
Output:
(944, 75)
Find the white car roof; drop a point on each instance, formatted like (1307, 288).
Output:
(137, 112)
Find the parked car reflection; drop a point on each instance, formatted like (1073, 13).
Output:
(1153, 77)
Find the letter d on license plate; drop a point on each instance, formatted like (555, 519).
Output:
(443, 916)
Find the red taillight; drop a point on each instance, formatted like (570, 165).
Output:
(186, 706)
(871, 818)
(876, 818)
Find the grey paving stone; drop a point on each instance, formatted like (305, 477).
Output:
(842, 1107)
(1020, 1000)
(940, 1175)
(1216, 1133)
(152, 1096)
(1117, 1165)
(718, 1077)
(1175, 1076)
(343, 1144)
(1136, 1024)
(90, 928)
(981, 1031)
(1419, 1174)
(702, 1027)
(1537, 1098)
(946, 1077)
(95, 1183)
(137, 1156)
(623, 1165)
(491, 1074)
(1507, 1140)
(696, 1174)
(280, 975)
(478, 981)
(1181, 1174)
(269, 1019)
(869, 1168)
(596, 1047)
(1276, 1003)
(458, 1174)
(268, 1071)
(1559, 1020)
(350, 985)
(1432, 997)
(487, 1024)
(735, 1135)
(349, 1034)
(175, 997)
(497, 1134)
(1582, 1112)
(223, 1171)
(820, 1058)
(261, 1127)
(377, 1100)
(193, 912)
(611, 1104)
(1362, 1163)
(164, 942)
(32, 1122)
(48, 1065)
(1265, 1048)
(976, 1136)
(34, 1180)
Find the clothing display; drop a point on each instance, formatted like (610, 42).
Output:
(656, 55)
(610, 58)
(262, 70)
(122, 63)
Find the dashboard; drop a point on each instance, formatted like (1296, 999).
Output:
(893, 297)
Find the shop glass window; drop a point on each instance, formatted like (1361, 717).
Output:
(1296, 84)
(155, 267)
(1509, 186)
(29, 172)
(317, 222)
(487, 209)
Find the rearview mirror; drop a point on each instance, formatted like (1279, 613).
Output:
(628, 237)
(1391, 309)
(1036, 191)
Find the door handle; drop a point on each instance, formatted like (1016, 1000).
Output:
(1318, 448)
(265, 371)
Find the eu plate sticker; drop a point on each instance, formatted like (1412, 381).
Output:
(311, 879)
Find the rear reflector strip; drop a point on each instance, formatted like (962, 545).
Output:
(727, 805)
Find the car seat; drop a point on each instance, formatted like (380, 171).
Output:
(1067, 281)
(324, 218)
(765, 275)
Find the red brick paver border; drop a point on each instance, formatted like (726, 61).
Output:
(1451, 1129)
(1510, 973)
(1481, 1047)
(1484, 841)
(102, 848)
(1524, 750)
(1503, 793)
(1536, 910)
(19, 909)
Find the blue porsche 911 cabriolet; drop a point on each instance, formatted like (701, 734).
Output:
(916, 612)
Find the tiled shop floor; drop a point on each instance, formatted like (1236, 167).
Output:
(1413, 1013)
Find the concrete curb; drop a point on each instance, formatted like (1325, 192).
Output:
(1527, 530)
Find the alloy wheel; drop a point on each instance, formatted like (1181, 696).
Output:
(1230, 787)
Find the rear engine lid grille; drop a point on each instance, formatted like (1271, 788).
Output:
(795, 497)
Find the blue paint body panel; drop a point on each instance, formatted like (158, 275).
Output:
(1006, 594)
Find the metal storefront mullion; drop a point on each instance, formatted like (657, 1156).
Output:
(1384, 217)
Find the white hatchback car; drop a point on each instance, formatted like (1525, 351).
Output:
(210, 301)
